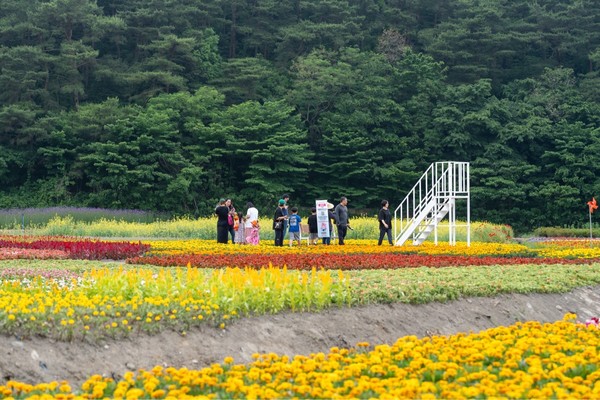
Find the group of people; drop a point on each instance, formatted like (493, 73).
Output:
(284, 219)
(243, 227)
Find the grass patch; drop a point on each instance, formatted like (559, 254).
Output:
(424, 285)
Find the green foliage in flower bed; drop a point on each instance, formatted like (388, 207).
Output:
(424, 285)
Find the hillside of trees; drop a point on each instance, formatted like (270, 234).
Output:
(169, 105)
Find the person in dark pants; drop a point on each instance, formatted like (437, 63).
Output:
(385, 222)
(222, 211)
(278, 222)
(313, 229)
(341, 214)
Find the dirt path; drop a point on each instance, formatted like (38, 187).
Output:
(41, 360)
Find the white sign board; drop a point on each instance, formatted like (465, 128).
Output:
(322, 219)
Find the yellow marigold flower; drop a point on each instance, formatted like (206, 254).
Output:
(65, 388)
(135, 393)
(570, 317)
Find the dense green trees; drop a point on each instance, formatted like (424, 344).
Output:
(171, 104)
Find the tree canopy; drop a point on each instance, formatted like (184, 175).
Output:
(169, 105)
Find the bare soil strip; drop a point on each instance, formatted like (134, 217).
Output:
(36, 360)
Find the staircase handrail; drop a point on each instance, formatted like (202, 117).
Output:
(443, 180)
(429, 195)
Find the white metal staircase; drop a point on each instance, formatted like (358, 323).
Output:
(430, 200)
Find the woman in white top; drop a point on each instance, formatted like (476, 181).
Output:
(251, 215)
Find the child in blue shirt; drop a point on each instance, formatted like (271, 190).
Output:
(294, 222)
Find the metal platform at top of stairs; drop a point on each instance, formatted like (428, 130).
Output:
(432, 198)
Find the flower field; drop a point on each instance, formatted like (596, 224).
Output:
(180, 285)
(360, 255)
(525, 360)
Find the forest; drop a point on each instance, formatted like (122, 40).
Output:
(169, 105)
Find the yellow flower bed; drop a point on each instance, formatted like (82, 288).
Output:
(525, 360)
(115, 301)
(556, 252)
(574, 242)
(196, 246)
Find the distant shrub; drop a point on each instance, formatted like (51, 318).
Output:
(562, 232)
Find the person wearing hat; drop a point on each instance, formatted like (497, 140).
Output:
(341, 214)
(222, 212)
(278, 222)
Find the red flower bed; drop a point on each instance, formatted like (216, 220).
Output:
(340, 261)
(84, 249)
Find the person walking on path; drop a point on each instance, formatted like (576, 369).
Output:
(222, 212)
(385, 222)
(343, 224)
